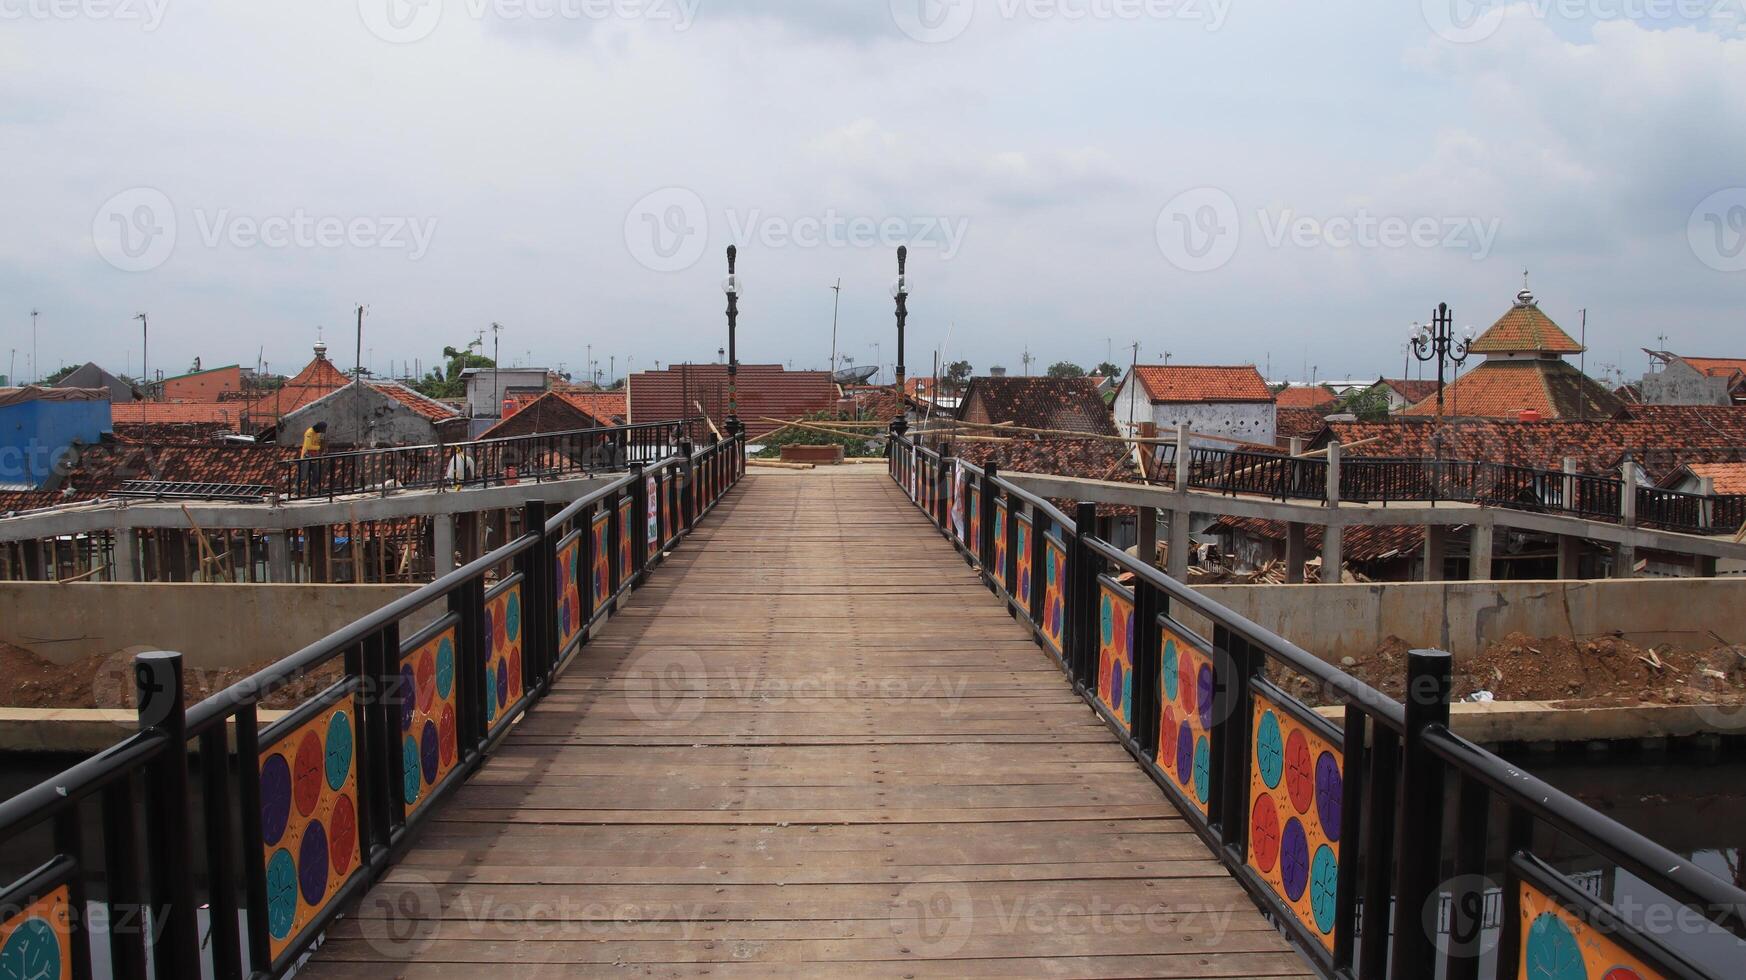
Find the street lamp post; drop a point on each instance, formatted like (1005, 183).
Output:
(900, 293)
(732, 286)
(1436, 342)
(144, 342)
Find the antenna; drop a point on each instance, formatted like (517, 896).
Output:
(836, 304)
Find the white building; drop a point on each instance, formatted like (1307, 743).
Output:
(1229, 401)
(488, 388)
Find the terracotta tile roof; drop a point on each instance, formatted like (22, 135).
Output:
(1730, 477)
(1298, 422)
(1091, 459)
(174, 433)
(547, 412)
(1524, 328)
(1411, 389)
(610, 407)
(319, 377)
(228, 413)
(1068, 404)
(426, 407)
(1203, 383)
(875, 401)
(764, 390)
(1503, 389)
(1305, 396)
(1718, 367)
(1360, 542)
(1661, 438)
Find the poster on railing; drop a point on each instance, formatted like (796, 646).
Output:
(1185, 676)
(1296, 800)
(1558, 941)
(626, 515)
(309, 820)
(429, 700)
(958, 498)
(36, 941)
(503, 677)
(653, 496)
(1115, 652)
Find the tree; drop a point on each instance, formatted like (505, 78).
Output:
(958, 374)
(59, 376)
(1368, 404)
(446, 382)
(1066, 369)
(1107, 370)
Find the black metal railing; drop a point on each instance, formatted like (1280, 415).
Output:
(1334, 824)
(487, 462)
(1377, 479)
(320, 802)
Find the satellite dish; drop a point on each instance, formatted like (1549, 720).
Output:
(855, 376)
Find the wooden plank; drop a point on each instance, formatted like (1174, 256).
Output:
(813, 745)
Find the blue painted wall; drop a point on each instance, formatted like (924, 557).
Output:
(35, 435)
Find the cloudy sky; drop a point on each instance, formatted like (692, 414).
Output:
(1284, 183)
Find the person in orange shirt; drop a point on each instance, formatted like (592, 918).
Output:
(308, 472)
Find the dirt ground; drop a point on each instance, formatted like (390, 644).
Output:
(1601, 670)
(29, 681)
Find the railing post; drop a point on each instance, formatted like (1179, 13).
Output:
(1149, 604)
(687, 513)
(639, 523)
(1082, 597)
(538, 608)
(175, 941)
(1419, 812)
(1235, 666)
(1183, 452)
(985, 546)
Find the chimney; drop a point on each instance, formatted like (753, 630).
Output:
(997, 372)
(1529, 415)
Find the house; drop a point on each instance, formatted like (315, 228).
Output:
(1725, 479)
(134, 418)
(1524, 374)
(560, 410)
(98, 470)
(1404, 393)
(489, 388)
(1694, 380)
(1058, 404)
(208, 385)
(89, 375)
(1230, 401)
(766, 391)
(40, 427)
(317, 379)
(374, 414)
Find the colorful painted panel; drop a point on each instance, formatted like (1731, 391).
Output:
(653, 491)
(429, 700)
(600, 578)
(1023, 544)
(309, 820)
(1054, 591)
(626, 550)
(956, 490)
(1115, 653)
(503, 682)
(36, 943)
(1296, 795)
(1557, 945)
(666, 509)
(1185, 729)
(974, 521)
(1000, 542)
(570, 618)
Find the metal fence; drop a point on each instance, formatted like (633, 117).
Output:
(317, 805)
(488, 462)
(1330, 824)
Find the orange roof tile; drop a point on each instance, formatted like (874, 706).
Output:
(425, 406)
(1730, 477)
(610, 407)
(1505, 389)
(1203, 383)
(764, 390)
(1305, 396)
(168, 413)
(1717, 367)
(1525, 329)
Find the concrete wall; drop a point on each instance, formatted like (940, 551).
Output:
(1335, 621)
(213, 625)
(35, 435)
(1248, 421)
(1681, 384)
(385, 421)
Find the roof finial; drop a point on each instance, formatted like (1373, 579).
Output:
(1526, 296)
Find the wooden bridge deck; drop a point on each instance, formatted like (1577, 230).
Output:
(813, 745)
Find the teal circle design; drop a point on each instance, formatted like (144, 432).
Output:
(445, 668)
(490, 694)
(1170, 679)
(1049, 563)
(512, 618)
(1553, 953)
(410, 782)
(1324, 888)
(33, 950)
(281, 893)
(1107, 612)
(339, 749)
(1270, 750)
(1202, 769)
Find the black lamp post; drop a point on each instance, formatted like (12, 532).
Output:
(900, 293)
(731, 285)
(1436, 342)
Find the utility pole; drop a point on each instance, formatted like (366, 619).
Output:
(836, 304)
(144, 342)
(35, 371)
(358, 381)
(1026, 357)
(496, 385)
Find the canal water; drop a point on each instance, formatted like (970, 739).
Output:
(1692, 803)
